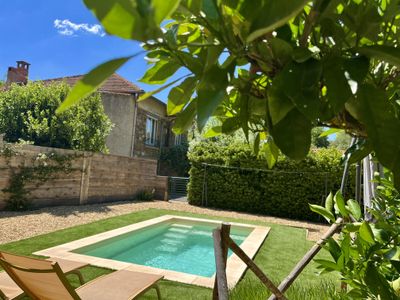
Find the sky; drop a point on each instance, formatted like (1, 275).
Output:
(62, 38)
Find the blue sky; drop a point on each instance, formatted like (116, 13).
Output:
(28, 32)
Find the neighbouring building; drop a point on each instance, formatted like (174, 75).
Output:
(140, 129)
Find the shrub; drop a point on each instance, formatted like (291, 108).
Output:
(145, 195)
(28, 113)
(366, 254)
(174, 160)
(237, 179)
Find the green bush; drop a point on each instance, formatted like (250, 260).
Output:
(245, 184)
(174, 160)
(145, 195)
(28, 113)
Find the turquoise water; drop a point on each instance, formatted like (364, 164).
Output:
(179, 245)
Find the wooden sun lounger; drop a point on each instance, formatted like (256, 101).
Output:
(9, 290)
(41, 279)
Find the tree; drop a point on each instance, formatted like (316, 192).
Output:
(342, 141)
(28, 113)
(275, 68)
(319, 141)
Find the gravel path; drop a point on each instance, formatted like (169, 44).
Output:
(21, 225)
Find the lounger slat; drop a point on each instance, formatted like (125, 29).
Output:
(121, 284)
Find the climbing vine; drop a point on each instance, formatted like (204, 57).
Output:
(42, 168)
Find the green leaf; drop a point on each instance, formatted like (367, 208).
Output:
(271, 152)
(345, 246)
(385, 53)
(271, 15)
(180, 95)
(354, 208)
(323, 212)
(330, 131)
(279, 104)
(366, 233)
(149, 94)
(358, 151)
(352, 227)
(340, 204)
(334, 248)
(393, 254)
(126, 19)
(293, 135)
(373, 109)
(212, 132)
(327, 264)
(300, 54)
(185, 118)
(191, 62)
(329, 202)
(338, 89)
(300, 84)
(357, 67)
(281, 50)
(378, 284)
(163, 9)
(91, 81)
(230, 125)
(160, 72)
(213, 53)
(208, 101)
(211, 91)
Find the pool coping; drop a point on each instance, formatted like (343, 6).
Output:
(235, 267)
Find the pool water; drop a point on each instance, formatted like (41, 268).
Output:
(178, 245)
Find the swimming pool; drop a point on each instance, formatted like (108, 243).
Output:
(177, 245)
(180, 248)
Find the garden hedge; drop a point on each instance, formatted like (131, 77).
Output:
(236, 179)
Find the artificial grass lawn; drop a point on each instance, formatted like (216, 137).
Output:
(282, 249)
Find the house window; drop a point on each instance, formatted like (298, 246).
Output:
(151, 131)
(178, 139)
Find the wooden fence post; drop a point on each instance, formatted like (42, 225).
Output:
(256, 270)
(221, 247)
(85, 178)
(285, 284)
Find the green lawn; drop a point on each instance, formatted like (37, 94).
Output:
(283, 247)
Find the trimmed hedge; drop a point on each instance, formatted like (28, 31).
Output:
(244, 183)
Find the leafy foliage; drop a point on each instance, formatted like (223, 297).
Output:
(237, 179)
(317, 140)
(342, 141)
(278, 68)
(28, 113)
(367, 254)
(42, 168)
(144, 195)
(175, 159)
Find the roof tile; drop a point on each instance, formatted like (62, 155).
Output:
(114, 84)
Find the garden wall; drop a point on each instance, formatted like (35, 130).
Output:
(92, 177)
(232, 177)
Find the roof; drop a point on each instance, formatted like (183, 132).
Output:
(114, 84)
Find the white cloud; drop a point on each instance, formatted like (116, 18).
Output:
(66, 27)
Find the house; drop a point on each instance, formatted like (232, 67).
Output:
(140, 129)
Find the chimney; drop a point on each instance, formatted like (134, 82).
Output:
(19, 74)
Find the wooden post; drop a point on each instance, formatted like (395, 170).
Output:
(256, 270)
(221, 237)
(285, 284)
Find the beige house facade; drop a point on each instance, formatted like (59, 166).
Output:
(141, 129)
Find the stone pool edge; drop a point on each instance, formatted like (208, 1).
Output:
(235, 267)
